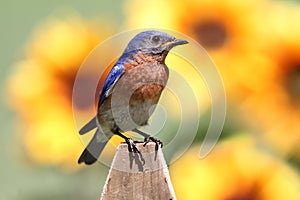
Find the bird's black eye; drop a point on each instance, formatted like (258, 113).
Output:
(155, 39)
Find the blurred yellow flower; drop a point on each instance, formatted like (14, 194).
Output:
(40, 89)
(276, 102)
(282, 26)
(235, 169)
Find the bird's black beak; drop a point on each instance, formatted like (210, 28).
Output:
(169, 45)
(177, 42)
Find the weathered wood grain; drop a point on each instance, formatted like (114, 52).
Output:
(131, 178)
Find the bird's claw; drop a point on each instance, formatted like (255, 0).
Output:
(131, 146)
(157, 142)
(134, 150)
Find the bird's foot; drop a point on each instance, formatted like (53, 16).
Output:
(131, 146)
(157, 142)
(133, 150)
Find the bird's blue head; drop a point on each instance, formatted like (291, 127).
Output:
(153, 42)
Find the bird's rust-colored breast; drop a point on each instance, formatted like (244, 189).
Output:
(144, 78)
(150, 92)
(144, 81)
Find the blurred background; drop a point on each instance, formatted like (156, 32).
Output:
(254, 43)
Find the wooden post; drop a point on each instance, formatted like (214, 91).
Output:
(131, 178)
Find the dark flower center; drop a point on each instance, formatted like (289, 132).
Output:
(210, 34)
(251, 193)
(79, 99)
(292, 83)
(87, 87)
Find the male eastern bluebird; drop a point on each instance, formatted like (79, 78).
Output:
(130, 92)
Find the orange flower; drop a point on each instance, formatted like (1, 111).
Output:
(40, 89)
(235, 169)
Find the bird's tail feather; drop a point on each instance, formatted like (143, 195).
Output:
(92, 151)
(89, 126)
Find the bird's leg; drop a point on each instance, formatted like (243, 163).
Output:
(149, 138)
(131, 145)
(129, 141)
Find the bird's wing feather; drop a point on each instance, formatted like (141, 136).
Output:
(113, 76)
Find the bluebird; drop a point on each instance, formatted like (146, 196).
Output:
(130, 92)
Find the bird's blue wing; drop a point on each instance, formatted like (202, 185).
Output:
(113, 76)
(109, 83)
